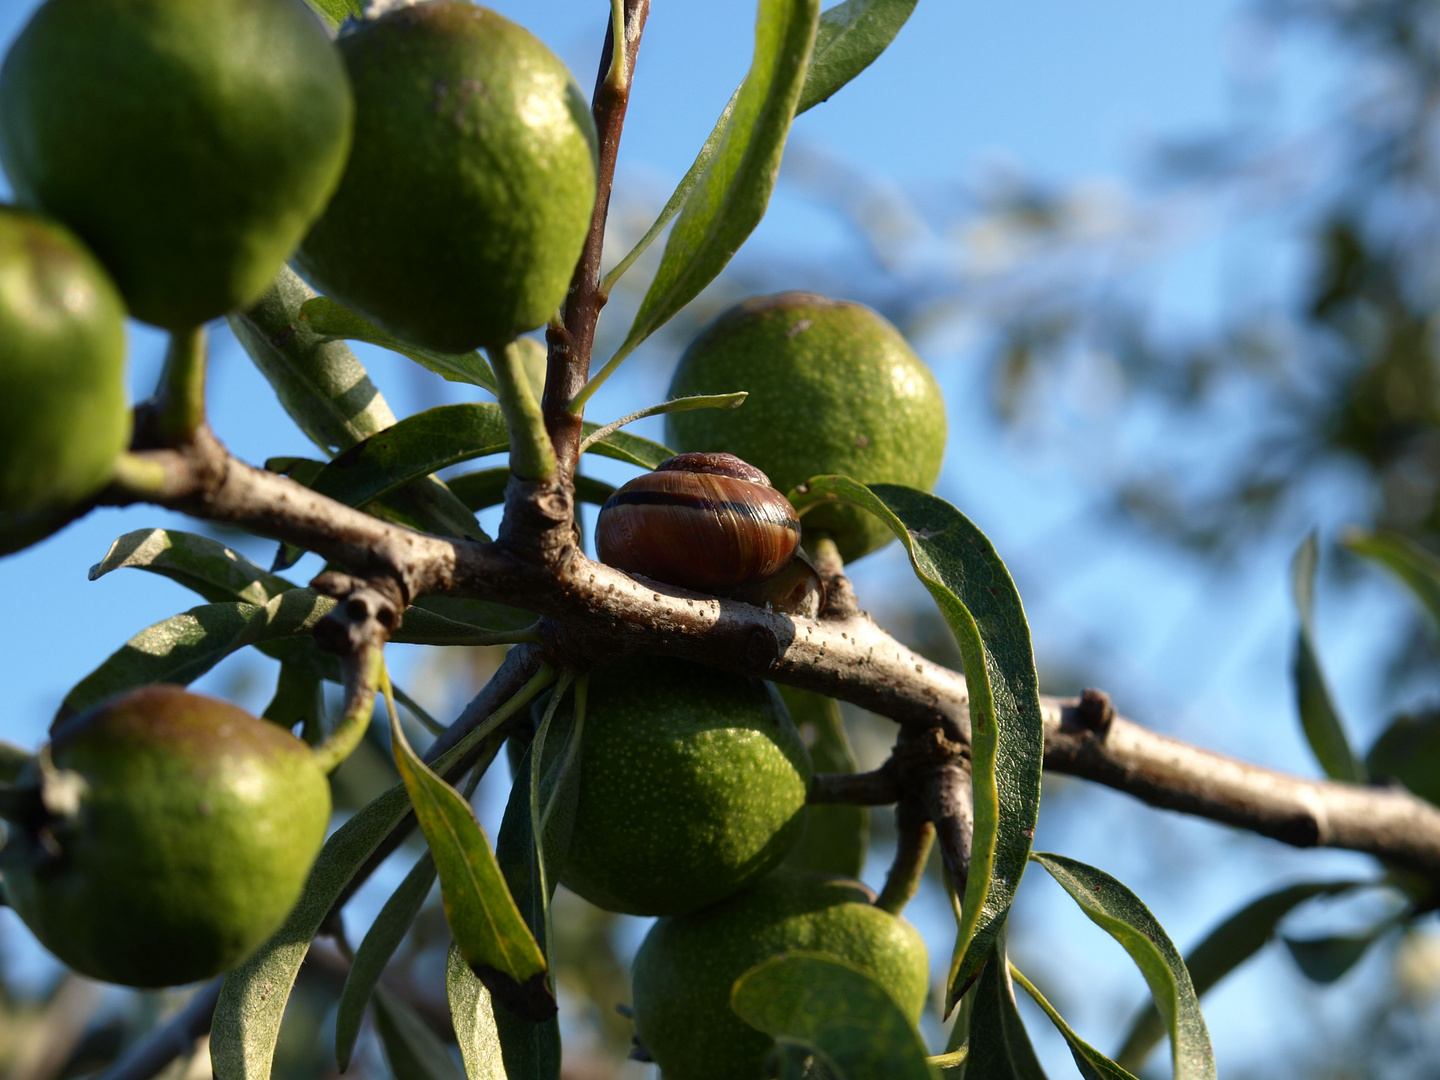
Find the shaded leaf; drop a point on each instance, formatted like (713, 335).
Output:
(1409, 751)
(974, 592)
(299, 699)
(412, 1049)
(486, 487)
(1119, 912)
(379, 944)
(836, 836)
(1411, 563)
(183, 647)
(197, 562)
(730, 198)
(1093, 1065)
(483, 916)
(253, 997)
(999, 1048)
(319, 381)
(1223, 950)
(622, 446)
(334, 320)
(1321, 721)
(674, 405)
(851, 37)
(835, 1009)
(474, 1019)
(1326, 959)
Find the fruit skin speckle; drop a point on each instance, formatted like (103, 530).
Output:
(691, 784)
(834, 388)
(688, 963)
(196, 828)
(469, 190)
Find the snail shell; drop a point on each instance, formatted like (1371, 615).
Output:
(701, 521)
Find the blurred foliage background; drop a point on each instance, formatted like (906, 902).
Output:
(1310, 393)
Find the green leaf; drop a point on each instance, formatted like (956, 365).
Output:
(482, 914)
(299, 699)
(412, 1049)
(851, 37)
(831, 1007)
(730, 198)
(1326, 959)
(197, 562)
(836, 836)
(474, 1019)
(999, 1048)
(335, 12)
(1409, 751)
(974, 592)
(420, 626)
(333, 320)
(380, 943)
(319, 382)
(253, 997)
(486, 487)
(1324, 729)
(183, 647)
(674, 405)
(1119, 912)
(623, 446)
(1223, 950)
(530, 1050)
(1411, 563)
(1093, 1065)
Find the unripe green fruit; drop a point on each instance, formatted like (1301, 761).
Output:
(691, 783)
(194, 830)
(190, 143)
(63, 413)
(469, 191)
(688, 965)
(833, 387)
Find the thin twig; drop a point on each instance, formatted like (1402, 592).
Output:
(916, 835)
(175, 1038)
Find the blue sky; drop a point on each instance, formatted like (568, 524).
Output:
(1069, 91)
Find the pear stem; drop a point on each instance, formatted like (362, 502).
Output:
(531, 455)
(181, 400)
(364, 674)
(916, 836)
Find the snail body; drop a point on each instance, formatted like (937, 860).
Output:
(701, 521)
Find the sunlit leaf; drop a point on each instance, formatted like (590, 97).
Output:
(664, 408)
(1321, 721)
(1119, 912)
(836, 836)
(827, 1005)
(333, 320)
(412, 1049)
(483, 916)
(474, 1019)
(379, 944)
(1093, 1065)
(730, 197)
(197, 562)
(335, 12)
(979, 602)
(851, 37)
(1223, 950)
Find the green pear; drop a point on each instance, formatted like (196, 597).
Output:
(834, 388)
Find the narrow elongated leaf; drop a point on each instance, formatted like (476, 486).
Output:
(183, 647)
(622, 446)
(1326, 959)
(319, 382)
(999, 1048)
(420, 626)
(674, 405)
(252, 1000)
(1407, 560)
(974, 592)
(412, 1049)
(530, 1050)
(299, 699)
(483, 916)
(851, 37)
(333, 320)
(379, 944)
(1119, 912)
(335, 12)
(474, 1019)
(1321, 721)
(1093, 1065)
(831, 1007)
(197, 562)
(1223, 950)
(730, 198)
(1409, 751)
(836, 836)
(486, 487)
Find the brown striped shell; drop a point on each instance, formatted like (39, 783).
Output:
(702, 521)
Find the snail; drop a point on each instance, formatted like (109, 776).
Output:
(709, 522)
